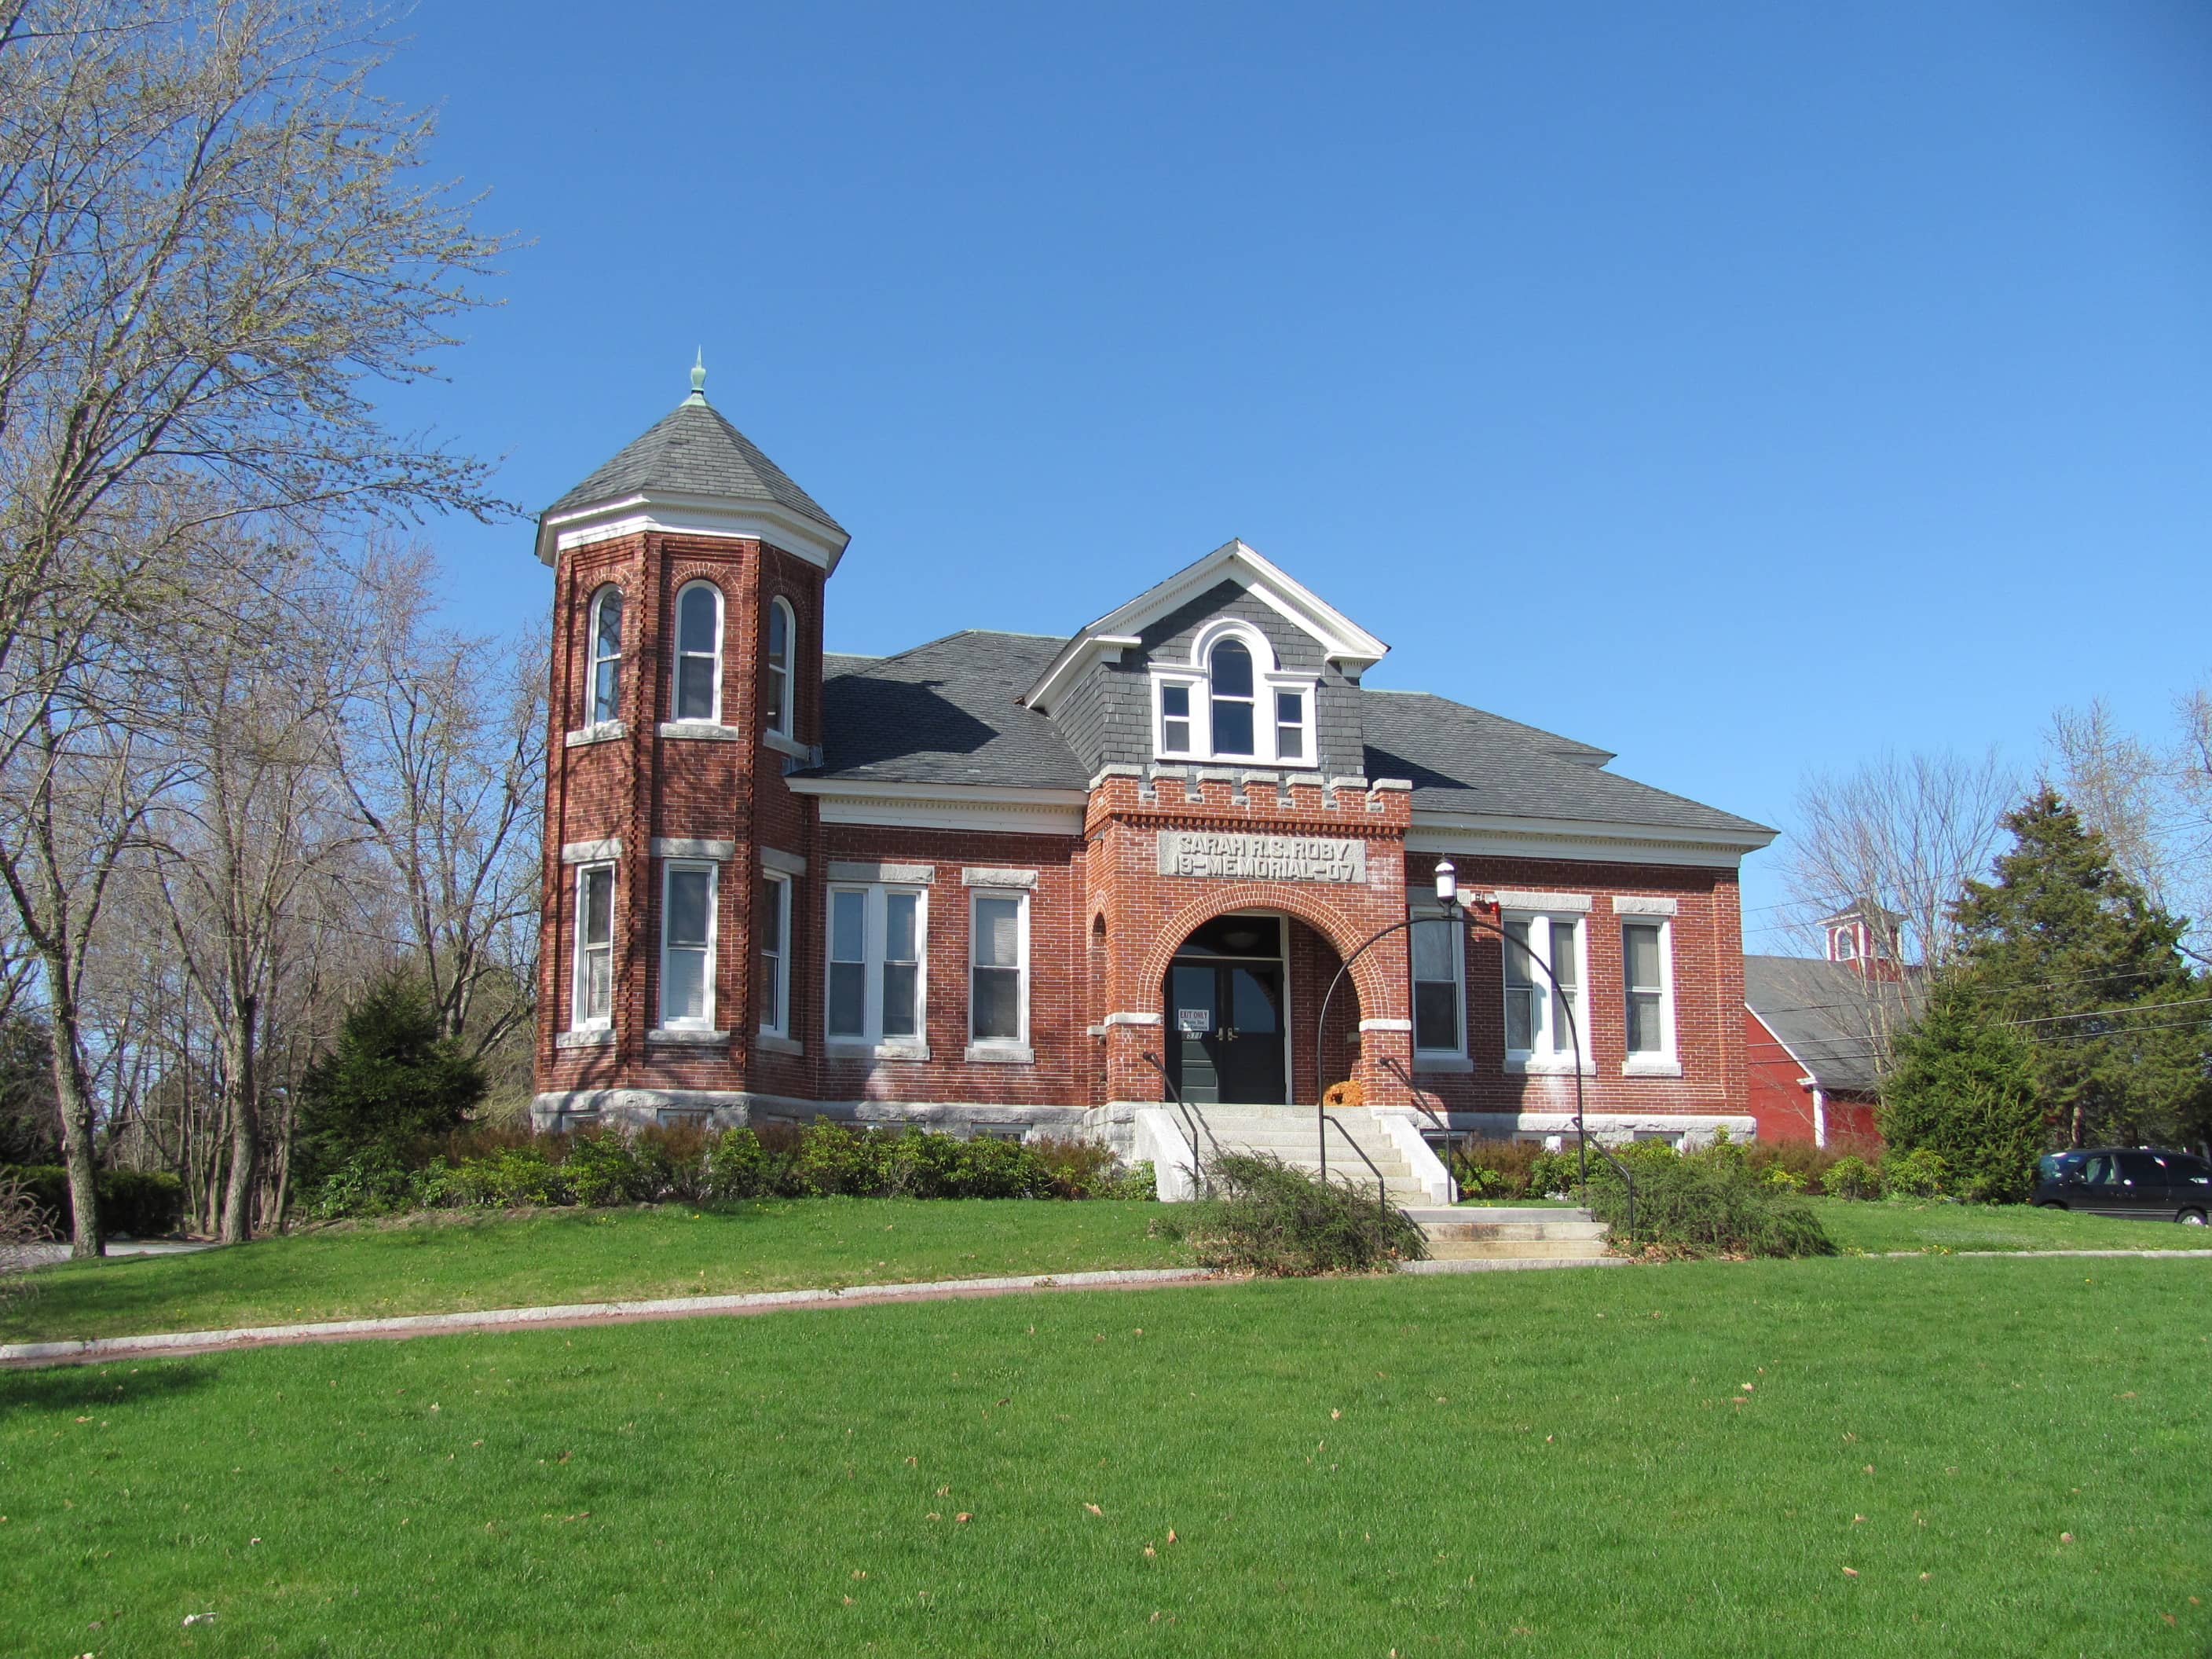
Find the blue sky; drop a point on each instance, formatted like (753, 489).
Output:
(1745, 388)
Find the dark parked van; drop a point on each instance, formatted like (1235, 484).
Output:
(2138, 1181)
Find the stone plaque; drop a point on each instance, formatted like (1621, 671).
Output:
(1240, 857)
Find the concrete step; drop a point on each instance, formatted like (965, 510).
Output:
(1521, 1250)
(1426, 1213)
(1522, 1229)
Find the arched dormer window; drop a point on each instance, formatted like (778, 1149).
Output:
(1229, 670)
(782, 631)
(698, 689)
(1233, 702)
(606, 656)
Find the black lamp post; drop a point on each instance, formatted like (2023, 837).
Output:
(1449, 908)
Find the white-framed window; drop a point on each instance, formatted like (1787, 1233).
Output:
(782, 632)
(772, 931)
(592, 1006)
(696, 693)
(1229, 701)
(606, 620)
(1538, 1034)
(878, 936)
(1439, 975)
(687, 946)
(1174, 717)
(1843, 943)
(1647, 977)
(1293, 710)
(997, 967)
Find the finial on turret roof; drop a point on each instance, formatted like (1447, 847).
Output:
(698, 379)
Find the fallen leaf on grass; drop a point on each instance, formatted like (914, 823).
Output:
(1149, 1550)
(1333, 1414)
(964, 1516)
(1850, 1572)
(1094, 1509)
(1171, 1537)
(2065, 1537)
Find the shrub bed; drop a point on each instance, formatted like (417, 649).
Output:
(514, 1169)
(1702, 1206)
(1273, 1219)
(134, 1203)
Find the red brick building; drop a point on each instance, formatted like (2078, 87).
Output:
(1006, 883)
(1816, 1031)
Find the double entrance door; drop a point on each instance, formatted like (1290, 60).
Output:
(1225, 1032)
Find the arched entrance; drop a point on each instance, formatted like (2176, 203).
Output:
(1226, 1009)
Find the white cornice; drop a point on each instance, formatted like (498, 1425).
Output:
(1480, 835)
(1343, 641)
(948, 805)
(690, 515)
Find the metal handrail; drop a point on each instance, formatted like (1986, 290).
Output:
(1191, 1121)
(1454, 912)
(1382, 1191)
(1443, 1124)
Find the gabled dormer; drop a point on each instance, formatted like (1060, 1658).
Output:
(1231, 662)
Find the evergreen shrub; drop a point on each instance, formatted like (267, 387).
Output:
(1276, 1220)
(133, 1203)
(1851, 1176)
(1703, 1205)
(1918, 1174)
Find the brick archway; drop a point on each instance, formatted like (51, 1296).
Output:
(1379, 994)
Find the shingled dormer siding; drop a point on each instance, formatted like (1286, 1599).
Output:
(1108, 717)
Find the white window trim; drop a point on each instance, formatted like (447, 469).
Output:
(713, 715)
(1267, 679)
(577, 1021)
(1015, 1048)
(703, 1021)
(1557, 1057)
(782, 1026)
(781, 717)
(876, 916)
(1667, 1062)
(593, 721)
(1454, 1058)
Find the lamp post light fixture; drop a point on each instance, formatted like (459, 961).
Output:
(1447, 884)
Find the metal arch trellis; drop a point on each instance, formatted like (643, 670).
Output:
(1452, 910)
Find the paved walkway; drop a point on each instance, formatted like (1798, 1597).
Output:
(81, 1351)
(45, 1255)
(84, 1350)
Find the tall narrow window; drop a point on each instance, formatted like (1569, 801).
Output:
(1290, 726)
(1524, 1012)
(848, 961)
(998, 959)
(902, 960)
(606, 656)
(687, 947)
(698, 653)
(1175, 719)
(594, 1003)
(772, 984)
(1436, 957)
(1644, 974)
(877, 942)
(782, 630)
(1544, 1020)
(1229, 712)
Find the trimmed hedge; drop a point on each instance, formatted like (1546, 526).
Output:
(133, 1203)
(691, 1165)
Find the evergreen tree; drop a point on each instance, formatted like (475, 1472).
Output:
(392, 1081)
(2078, 958)
(1964, 1088)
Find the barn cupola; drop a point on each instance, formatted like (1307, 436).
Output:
(693, 473)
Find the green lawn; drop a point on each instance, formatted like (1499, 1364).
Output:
(443, 1263)
(2009, 1455)
(1902, 1225)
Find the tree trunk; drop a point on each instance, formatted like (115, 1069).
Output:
(238, 1203)
(75, 1101)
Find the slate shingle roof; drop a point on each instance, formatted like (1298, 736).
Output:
(693, 451)
(1464, 760)
(945, 712)
(1827, 1013)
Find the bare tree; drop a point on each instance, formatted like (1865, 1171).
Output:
(2151, 799)
(214, 240)
(444, 760)
(1901, 833)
